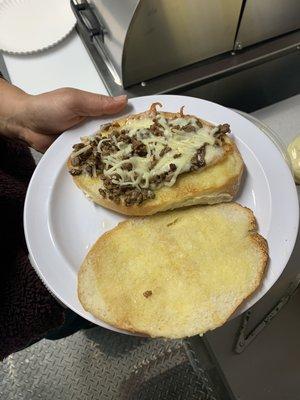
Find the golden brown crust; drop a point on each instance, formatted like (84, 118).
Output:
(216, 183)
(94, 264)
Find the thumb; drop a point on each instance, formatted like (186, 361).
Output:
(94, 105)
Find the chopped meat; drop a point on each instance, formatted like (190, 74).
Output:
(132, 197)
(156, 179)
(164, 151)
(108, 184)
(84, 156)
(127, 166)
(189, 128)
(98, 163)
(105, 127)
(177, 155)
(222, 129)
(125, 138)
(75, 161)
(107, 148)
(116, 177)
(137, 196)
(102, 192)
(75, 171)
(93, 142)
(198, 159)
(157, 128)
(78, 146)
(89, 170)
(139, 148)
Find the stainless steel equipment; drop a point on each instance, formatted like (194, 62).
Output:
(262, 20)
(139, 33)
(221, 50)
(3, 69)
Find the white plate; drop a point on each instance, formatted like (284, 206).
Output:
(28, 26)
(61, 224)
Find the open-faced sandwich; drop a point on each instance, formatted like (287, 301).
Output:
(157, 161)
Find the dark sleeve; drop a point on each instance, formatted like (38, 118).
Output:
(27, 310)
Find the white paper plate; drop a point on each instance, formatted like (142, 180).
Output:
(61, 224)
(28, 26)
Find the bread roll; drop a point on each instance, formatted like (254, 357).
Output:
(175, 274)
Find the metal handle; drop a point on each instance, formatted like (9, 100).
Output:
(87, 19)
(243, 341)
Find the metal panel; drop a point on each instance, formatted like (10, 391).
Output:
(147, 38)
(266, 19)
(246, 80)
(253, 88)
(165, 35)
(99, 364)
(3, 68)
(115, 16)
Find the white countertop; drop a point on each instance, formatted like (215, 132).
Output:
(69, 65)
(66, 65)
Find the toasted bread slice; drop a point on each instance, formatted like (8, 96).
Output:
(218, 181)
(175, 274)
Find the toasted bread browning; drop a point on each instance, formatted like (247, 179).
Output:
(176, 274)
(130, 161)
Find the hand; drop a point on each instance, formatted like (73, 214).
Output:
(38, 120)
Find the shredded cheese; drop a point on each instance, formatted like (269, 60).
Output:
(182, 144)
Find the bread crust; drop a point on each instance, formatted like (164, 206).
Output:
(90, 273)
(216, 183)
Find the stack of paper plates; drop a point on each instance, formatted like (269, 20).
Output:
(28, 26)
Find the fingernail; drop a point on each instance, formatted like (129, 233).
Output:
(120, 98)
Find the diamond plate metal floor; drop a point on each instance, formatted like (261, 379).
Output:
(99, 364)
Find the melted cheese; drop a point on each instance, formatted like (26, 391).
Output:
(184, 143)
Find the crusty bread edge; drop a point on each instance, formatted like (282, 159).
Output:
(259, 241)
